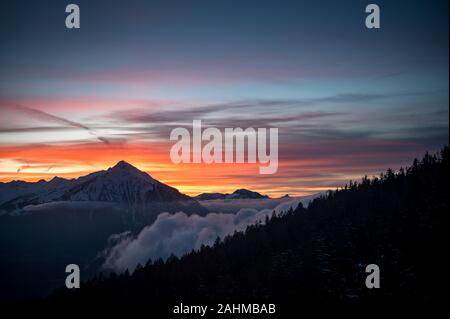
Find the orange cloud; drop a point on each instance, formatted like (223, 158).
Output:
(300, 172)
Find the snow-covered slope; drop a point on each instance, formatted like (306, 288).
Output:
(122, 183)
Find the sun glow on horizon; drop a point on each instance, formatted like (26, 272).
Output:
(45, 162)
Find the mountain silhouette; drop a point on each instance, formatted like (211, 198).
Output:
(237, 194)
(122, 183)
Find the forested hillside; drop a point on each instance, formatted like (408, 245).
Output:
(313, 255)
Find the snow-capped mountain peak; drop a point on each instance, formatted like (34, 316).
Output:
(125, 170)
(122, 183)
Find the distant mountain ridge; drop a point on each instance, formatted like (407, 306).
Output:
(122, 183)
(237, 194)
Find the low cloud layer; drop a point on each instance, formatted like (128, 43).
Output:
(179, 233)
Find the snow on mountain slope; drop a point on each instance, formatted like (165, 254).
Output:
(122, 183)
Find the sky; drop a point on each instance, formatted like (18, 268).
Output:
(348, 101)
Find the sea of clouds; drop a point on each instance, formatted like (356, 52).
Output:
(180, 233)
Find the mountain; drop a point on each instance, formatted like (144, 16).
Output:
(313, 256)
(122, 183)
(210, 196)
(47, 225)
(237, 194)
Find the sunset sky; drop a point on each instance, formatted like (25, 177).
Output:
(348, 101)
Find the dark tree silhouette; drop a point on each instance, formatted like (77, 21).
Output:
(312, 255)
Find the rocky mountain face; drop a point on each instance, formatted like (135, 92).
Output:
(123, 183)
